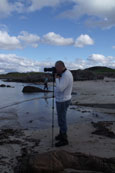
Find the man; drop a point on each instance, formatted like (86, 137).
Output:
(46, 83)
(64, 83)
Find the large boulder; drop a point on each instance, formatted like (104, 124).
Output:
(31, 89)
(57, 161)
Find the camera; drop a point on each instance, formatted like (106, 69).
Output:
(52, 69)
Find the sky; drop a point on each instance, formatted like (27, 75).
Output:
(36, 33)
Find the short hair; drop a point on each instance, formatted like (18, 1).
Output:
(60, 63)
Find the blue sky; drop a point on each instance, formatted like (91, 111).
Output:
(36, 33)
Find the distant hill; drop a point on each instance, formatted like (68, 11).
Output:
(93, 73)
(100, 69)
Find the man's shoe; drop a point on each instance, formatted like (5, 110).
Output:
(61, 136)
(61, 143)
(58, 137)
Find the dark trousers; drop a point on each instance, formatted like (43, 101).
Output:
(61, 115)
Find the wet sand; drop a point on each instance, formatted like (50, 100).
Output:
(100, 95)
(16, 144)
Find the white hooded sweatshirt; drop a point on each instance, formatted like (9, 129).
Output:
(64, 86)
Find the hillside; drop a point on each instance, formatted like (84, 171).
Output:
(92, 73)
(101, 69)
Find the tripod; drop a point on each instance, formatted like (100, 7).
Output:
(53, 75)
(53, 70)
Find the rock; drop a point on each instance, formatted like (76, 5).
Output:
(8, 86)
(31, 89)
(101, 129)
(45, 163)
(81, 75)
(58, 161)
(2, 85)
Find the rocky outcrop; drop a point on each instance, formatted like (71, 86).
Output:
(82, 75)
(102, 128)
(31, 89)
(93, 73)
(8, 86)
(2, 85)
(58, 161)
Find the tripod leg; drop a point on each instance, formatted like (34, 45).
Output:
(53, 114)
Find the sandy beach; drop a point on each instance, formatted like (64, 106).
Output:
(97, 94)
(87, 137)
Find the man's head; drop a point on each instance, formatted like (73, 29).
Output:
(60, 66)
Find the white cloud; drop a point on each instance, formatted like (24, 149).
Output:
(103, 11)
(18, 7)
(99, 59)
(83, 40)
(99, 12)
(56, 39)
(79, 63)
(14, 63)
(24, 39)
(36, 5)
(29, 39)
(92, 60)
(8, 42)
(113, 47)
(6, 7)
